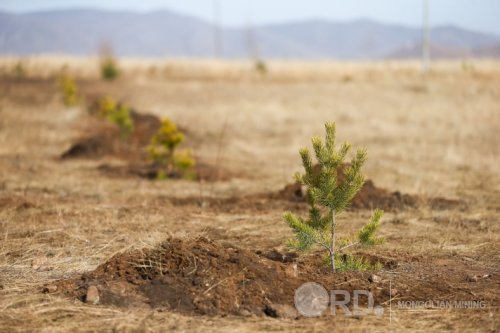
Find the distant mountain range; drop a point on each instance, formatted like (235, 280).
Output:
(168, 34)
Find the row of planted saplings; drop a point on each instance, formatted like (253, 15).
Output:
(327, 196)
(163, 146)
(108, 67)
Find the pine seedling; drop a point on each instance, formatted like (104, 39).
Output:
(109, 69)
(328, 197)
(118, 114)
(106, 106)
(261, 67)
(19, 70)
(163, 151)
(108, 63)
(69, 90)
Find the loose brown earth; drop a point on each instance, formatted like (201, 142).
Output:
(371, 197)
(208, 254)
(201, 277)
(103, 139)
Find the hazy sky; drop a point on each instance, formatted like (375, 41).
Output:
(481, 15)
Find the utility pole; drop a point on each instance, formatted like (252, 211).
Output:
(425, 37)
(218, 47)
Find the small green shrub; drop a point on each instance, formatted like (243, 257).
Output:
(118, 114)
(163, 151)
(261, 67)
(69, 90)
(106, 105)
(19, 70)
(109, 69)
(467, 66)
(327, 198)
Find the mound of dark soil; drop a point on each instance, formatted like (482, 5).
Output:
(368, 197)
(189, 276)
(105, 140)
(92, 147)
(201, 277)
(371, 197)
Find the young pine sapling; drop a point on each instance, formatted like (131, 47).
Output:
(109, 66)
(118, 114)
(69, 90)
(328, 196)
(163, 151)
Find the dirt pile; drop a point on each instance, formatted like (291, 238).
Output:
(104, 140)
(189, 276)
(371, 197)
(202, 277)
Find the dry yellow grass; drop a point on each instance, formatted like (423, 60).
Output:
(436, 135)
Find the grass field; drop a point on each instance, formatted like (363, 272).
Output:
(433, 135)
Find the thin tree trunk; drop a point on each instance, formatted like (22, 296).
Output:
(332, 246)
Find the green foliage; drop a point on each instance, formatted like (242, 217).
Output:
(109, 69)
(183, 159)
(366, 235)
(107, 105)
(69, 90)
(118, 114)
(19, 71)
(327, 197)
(163, 150)
(346, 263)
(467, 66)
(261, 67)
(162, 175)
(122, 118)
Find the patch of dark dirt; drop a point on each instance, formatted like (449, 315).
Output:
(151, 171)
(202, 277)
(280, 256)
(371, 197)
(194, 276)
(104, 140)
(91, 147)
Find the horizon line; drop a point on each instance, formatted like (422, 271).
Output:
(243, 25)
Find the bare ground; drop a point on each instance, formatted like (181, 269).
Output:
(428, 137)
